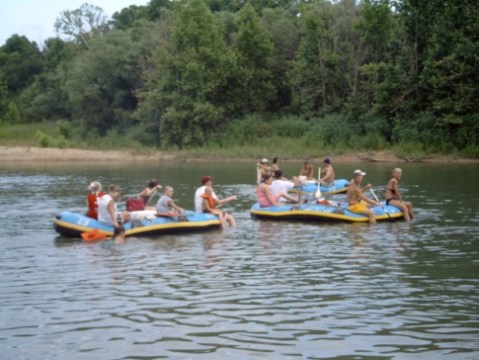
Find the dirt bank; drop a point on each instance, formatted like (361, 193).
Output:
(16, 154)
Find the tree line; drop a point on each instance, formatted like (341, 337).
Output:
(186, 74)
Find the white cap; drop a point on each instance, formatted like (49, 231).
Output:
(359, 173)
(264, 161)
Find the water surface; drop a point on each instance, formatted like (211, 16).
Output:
(264, 290)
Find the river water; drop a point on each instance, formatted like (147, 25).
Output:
(263, 290)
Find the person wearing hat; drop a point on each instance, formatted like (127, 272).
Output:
(357, 201)
(393, 196)
(107, 210)
(263, 169)
(208, 181)
(327, 173)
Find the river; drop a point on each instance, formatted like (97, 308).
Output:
(262, 290)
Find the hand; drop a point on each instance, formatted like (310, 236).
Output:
(368, 186)
(232, 197)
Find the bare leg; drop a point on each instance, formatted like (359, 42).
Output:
(370, 214)
(230, 220)
(403, 207)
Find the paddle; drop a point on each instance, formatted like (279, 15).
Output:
(318, 192)
(376, 198)
(258, 174)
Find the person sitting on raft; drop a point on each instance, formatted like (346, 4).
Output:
(166, 205)
(265, 196)
(327, 173)
(393, 196)
(96, 192)
(107, 210)
(148, 192)
(209, 206)
(358, 202)
(282, 185)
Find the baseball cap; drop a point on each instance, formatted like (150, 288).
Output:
(359, 173)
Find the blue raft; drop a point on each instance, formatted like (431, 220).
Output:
(337, 187)
(328, 212)
(142, 223)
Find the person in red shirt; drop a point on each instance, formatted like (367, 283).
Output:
(92, 199)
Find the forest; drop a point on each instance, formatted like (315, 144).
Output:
(190, 74)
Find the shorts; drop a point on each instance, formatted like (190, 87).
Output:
(360, 207)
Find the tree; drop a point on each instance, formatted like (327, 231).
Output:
(20, 61)
(254, 49)
(83, 24)
(312, 70)
(185, 93)
(102, 82)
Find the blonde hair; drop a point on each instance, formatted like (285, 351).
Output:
(95, 186)
(397, 170)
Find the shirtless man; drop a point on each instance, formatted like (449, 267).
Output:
(306, 170)
(358, 202)
(327, 173)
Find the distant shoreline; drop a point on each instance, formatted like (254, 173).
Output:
(19, 154)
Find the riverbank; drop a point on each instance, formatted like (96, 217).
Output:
(16, 154)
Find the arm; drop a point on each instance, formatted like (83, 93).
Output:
(172, 204)
(326, 175)
(225, 200)
(205, 205)
(366, 199)
(396, 190)
(267, 192)
(111, 211)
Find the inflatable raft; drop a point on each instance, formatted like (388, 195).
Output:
(328, 212)
(142, 223)
(337, 187)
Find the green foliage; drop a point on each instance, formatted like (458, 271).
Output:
(83, 24)
(20, 61)
(336, 75)
(254, 47)
(43, 139)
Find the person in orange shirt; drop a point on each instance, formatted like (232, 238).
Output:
(209, 206)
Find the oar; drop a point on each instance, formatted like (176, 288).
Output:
(376, 198)
(258, 174)
(318, 192)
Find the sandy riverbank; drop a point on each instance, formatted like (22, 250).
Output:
(16, 154)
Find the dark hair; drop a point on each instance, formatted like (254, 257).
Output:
(278, 174)
(266, 177)
(275, 160)
(153, 183)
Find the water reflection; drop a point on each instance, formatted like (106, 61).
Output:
(269, 290)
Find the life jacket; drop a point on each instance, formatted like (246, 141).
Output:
(209, 198)
(92, 200)
(93, 235)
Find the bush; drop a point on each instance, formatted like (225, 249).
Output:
(43, 139)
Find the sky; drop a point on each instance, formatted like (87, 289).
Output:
(35, 19)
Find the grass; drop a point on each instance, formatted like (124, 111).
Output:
(62, 135)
